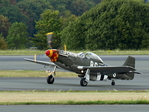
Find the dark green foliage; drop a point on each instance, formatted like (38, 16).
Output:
(32, 9)
(49, 22)
(28, 11)
(77, 7)
(4, 25)
(17, 36)
(113, 24)
(3, 44)
(12, 12)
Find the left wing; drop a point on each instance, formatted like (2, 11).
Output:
(41, 62)
(108, 69)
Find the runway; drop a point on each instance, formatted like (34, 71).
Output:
(74, 108)
(140, 82)
(66, 84)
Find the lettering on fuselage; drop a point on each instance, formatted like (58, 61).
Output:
(91, 63)
(96, 64)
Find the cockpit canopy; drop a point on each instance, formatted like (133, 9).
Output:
(89, 55)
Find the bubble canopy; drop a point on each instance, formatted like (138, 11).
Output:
(89, 55)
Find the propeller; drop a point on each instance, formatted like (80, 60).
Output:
(51, 53)
(49, 39)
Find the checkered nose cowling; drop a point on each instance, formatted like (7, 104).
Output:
(52, 54)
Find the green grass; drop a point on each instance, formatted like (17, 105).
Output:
(30, 73)
(77, 103)
(98, 52)
(21, 52)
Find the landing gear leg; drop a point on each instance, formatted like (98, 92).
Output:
(84, 81)
(112, 83)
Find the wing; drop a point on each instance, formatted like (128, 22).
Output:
(108, 69)
(41, 62)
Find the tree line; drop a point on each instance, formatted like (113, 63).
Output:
(112, 24)
(29, 11)
(79, 24)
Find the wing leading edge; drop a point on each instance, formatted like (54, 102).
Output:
(40, 62)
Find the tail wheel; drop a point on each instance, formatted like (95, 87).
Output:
(50, 79)
(83, 82)
(112, 83)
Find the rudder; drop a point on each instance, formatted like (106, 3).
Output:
(130, 61)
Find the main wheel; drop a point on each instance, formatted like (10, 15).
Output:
(83, 82)
(50, 79)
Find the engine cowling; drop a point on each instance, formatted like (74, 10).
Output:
(52, 54)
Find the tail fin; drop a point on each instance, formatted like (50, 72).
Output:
(130, 61)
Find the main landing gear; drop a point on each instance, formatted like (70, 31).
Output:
(83, 82)
(50, 79)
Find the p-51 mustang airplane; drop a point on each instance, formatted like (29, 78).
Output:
(89, 66)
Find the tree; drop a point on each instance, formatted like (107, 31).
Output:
(32, 9)
(14, 14)
(4, 3)
(97, 1)
(78, 7)
(74, 39)
(4, 25)
(13, 2)
(3, 44)
(112, 24)
(49, 22)
(17, 36)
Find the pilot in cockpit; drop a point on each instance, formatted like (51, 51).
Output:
(81, 55)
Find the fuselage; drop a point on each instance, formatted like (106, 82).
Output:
(70, 61)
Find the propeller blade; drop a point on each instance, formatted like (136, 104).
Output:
(49, 39)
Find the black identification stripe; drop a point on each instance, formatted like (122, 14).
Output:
(102, 77)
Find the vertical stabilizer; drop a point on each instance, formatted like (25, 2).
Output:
(130, 61)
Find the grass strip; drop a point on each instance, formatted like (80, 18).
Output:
(98, 52)
(77, 103)
(20, 52)
(32, 73)
(72, 98)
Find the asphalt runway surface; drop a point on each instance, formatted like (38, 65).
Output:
(140, 82)
(74, 108)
